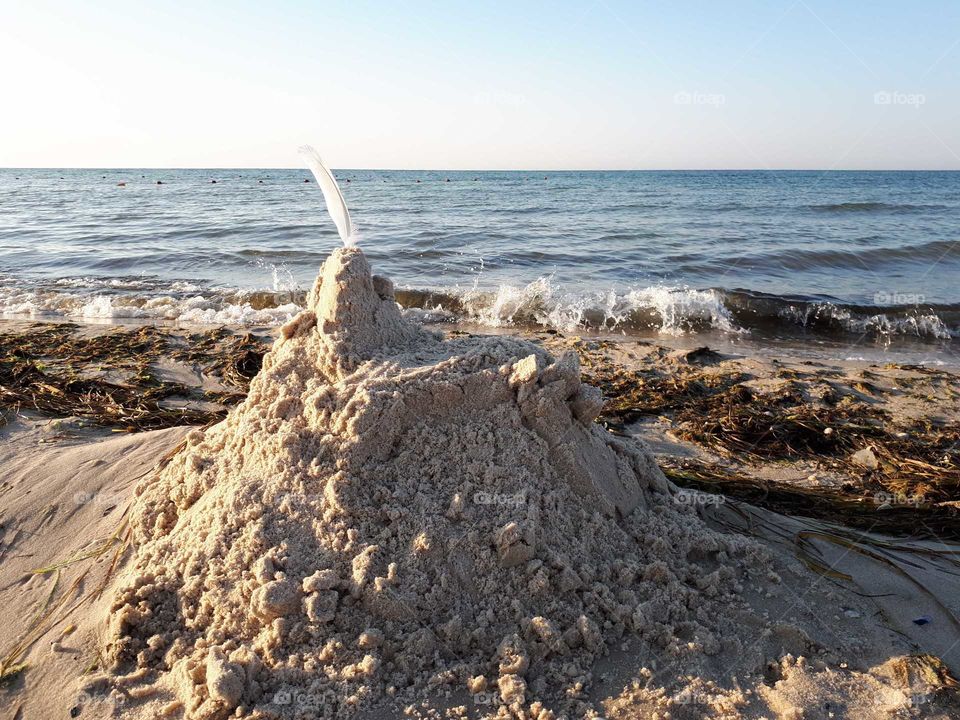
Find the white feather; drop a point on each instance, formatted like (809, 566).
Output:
(331, 193)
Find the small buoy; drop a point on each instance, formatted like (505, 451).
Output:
(159, 182)
(418, 181)
(544, 177)
(260, 182)
(448, 179)
(103, 177)
(213, 182)
(348, 179)
(307, 180)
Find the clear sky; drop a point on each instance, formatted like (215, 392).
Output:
(610, 84)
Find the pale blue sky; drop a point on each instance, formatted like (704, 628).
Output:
(541, 85)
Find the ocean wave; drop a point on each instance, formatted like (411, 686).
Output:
(829, 317)
(866, 207)
(127, 283)
(678, 311)
(211, 309)
(860, 258)
(543, 303)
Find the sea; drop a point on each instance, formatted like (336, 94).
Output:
(853, 262)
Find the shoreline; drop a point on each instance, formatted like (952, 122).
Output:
(865, 350)
(916, 332)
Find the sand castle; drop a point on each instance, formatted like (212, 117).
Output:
(390, 515)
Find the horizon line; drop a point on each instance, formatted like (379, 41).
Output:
(491, 170)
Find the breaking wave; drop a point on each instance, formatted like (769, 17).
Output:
(679, 311)
(189, 308)
(543, 303)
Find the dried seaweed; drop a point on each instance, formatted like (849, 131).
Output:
(912, 490)
(846, 507)
(110, 378)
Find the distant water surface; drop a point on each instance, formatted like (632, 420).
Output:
(854, 256)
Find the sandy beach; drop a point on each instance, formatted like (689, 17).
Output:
(805, 568)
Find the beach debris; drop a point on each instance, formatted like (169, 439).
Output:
(854, 507)
(865, 458)
(702, 354)
(916, 483)
(109, 378)
(8, 673)
(922, 672)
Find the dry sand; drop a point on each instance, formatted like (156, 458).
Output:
(392, 522)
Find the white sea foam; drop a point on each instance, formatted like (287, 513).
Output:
(671, 310)
(240, 314)
(916, 323)
(194, 309)
(928, 325)
(428, 316)
(683, 310)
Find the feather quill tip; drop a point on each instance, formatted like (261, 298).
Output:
(336, 205)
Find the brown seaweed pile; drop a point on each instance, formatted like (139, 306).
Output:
(910, 485)
(110, 379)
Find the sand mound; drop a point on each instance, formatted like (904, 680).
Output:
(389, 515)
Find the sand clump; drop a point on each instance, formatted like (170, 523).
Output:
(391, 516)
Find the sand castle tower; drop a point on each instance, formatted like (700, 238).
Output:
(387, 512)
